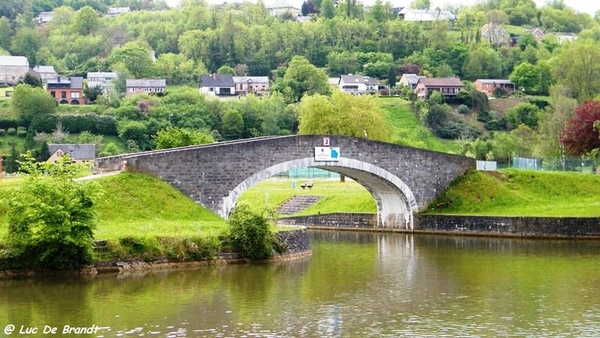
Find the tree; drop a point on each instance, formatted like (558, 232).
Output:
(483, 63)
(525, 76)
(343, 114)
(92, 93)
(86, 21)
(29, 102)
(27, 42)
(553, 123)
(577, 66)
(580, 136)
(50, 221)
(6, 33)
(302, 78)
(420, 4)
(172, 137)
(134, 58)
(520, 12)
(327, 9)
(524, 113)
(33, 79)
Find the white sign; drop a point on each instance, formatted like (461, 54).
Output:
(327, 153)
(326, 141)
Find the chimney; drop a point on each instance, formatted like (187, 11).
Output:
(214, 76)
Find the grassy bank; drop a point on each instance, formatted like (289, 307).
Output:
(140, 217)
(522, 193)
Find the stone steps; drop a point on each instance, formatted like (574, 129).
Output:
(297, 203)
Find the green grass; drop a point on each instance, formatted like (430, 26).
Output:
(337, 196)
(5, 144)
(409, 131)
(515, 30)
(67, 109)
(136, 204)
(522, 193)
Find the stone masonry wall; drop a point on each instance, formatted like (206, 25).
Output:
(336, 220)
(564, 227)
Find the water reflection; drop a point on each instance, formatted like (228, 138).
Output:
(354, 285)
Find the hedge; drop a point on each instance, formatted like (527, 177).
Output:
(94, 123)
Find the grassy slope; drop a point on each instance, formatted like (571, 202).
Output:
(522, 193)
(409, 131)
(139, 205)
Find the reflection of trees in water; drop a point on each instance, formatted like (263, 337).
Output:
(39, 299)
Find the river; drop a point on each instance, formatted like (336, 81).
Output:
(354, 285)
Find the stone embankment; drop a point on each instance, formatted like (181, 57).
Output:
(504, 226)
(295, 245)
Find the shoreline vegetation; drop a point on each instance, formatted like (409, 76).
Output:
(134, 225)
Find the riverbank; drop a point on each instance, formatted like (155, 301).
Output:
(293, 245)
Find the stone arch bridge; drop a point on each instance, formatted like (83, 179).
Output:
(402, 180)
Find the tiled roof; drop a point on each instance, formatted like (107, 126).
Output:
(101, 74)
(76, 151)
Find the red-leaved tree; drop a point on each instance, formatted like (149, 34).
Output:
(580, 136)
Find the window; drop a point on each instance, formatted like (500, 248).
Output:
(53, 93)
(75, 95)
(59, 153)
(63, 95)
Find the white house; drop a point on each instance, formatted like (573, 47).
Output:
(358, 84)
(219, 85)
(45, 72)
(101, 79)
(13, 69)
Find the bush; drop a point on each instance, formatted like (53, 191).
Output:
(12, 131)
(251, 233)
(463, 109)
(50, 220)
(5, 123)
(2, 132)
(454, 130)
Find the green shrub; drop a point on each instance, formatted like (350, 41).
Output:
(251, 233)
(463, 109)
(12, 131)
(2, 132)
(50, 218)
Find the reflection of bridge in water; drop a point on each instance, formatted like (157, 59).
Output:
(402, 180)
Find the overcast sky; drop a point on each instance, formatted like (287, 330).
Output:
(588, 6)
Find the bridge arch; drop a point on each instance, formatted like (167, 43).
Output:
(395, 201)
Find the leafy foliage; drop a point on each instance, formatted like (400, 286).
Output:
(51, 220)
(29, 102)
(580, 136)
(251, 233)
(343, 114)
(177, 137)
